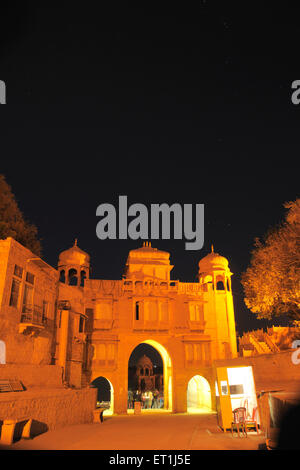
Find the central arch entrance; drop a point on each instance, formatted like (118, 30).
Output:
(198, 395)
(150, 369)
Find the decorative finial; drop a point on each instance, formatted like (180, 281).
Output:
(212, 248)
(75, 243)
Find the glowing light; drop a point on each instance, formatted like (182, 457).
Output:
(198, 395)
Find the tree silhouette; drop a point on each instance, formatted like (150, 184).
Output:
(12, 222)
(272, 281)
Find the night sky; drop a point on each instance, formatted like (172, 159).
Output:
(162, 104)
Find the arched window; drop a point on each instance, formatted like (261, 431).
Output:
(137, 310)
(73, 279)
(81, 324)
(62, 276)
(220, 285)
(82, 278)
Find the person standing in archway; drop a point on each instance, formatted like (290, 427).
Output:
(150, 399)
(130, 399)
(161, 400)
(155, 399)
(145, 399)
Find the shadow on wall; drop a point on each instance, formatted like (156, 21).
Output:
(282, 422)
(37, 428)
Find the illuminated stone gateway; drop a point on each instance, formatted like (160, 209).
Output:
(189, 324)
(90, 327)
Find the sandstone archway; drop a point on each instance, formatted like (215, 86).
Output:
(167, 372)
(198, 395)
(105, 393)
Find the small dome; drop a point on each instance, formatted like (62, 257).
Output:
(74, 256)
(148, 255)
(213, 261)
(144, 361)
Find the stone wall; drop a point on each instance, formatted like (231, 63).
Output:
(25, 345)
(50, 409)
(33, 375)
(269, 370)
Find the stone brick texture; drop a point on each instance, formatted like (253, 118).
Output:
(50, 409)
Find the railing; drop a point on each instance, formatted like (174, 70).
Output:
(170, 286)
(270, 343)
(190, 287)
(33, 314)
(260, 346)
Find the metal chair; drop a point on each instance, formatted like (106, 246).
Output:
(239, 420)
(252, 422)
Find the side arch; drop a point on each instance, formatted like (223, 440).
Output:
(99, 380)
(199, 394)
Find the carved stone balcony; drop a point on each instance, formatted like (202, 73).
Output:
(32, 320)
(139, 286)
(197, 325)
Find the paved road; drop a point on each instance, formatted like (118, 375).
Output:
(144, 432)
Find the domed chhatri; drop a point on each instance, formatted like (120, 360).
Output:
(74, 266)
(213, 261)
(74, 255)
(145, 361)
(148, 262)
(148, 254)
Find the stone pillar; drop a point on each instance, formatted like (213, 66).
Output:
(179, 396)
(63, 340)
(121, 387)
(121, 398)
(75, 374)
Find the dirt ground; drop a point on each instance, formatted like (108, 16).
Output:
(148, 431)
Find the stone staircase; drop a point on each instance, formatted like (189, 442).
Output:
(257, 342)
(260, 346)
